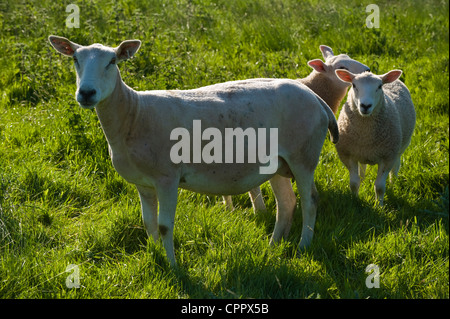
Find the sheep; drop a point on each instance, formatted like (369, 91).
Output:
(139, 127)
(376, 125)
(324, 82)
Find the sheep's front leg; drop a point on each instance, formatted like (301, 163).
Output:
(167, 195)
(355, 180)
(380, 182)
(149, 208)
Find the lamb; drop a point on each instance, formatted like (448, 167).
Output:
(324, 82)
(139, 127)
(375, 125)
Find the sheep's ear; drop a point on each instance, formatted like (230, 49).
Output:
(345, 75)
(62, 45)
(391, 76)
(327, 52)
(127, 49)
(318, 65)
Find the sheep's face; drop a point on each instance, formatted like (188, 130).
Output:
(96, 67)
(367, 88)
(96, 74)
(336, 62)
(367, 93)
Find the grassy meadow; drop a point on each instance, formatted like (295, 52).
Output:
(62, 203)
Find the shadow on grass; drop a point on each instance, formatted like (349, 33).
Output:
(246, 278)
(322, 271)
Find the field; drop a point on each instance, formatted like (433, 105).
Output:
(62, 203)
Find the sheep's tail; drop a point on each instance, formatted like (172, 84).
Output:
(332, 123)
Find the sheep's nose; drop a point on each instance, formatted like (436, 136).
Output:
(87, 94)
(366, 106)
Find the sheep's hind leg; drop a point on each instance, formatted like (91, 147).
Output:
(286, 202)
(309, 201)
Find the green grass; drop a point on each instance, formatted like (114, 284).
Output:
(62, 203)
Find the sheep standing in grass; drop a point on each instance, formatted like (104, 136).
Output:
(324, 82)
(375, 126)
(140, 128)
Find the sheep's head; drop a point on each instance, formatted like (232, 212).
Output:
(336, 62)
(96, 67)
(367, 88)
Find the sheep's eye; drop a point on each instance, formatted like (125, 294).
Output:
(342, 68)
(75, 60)
(379, 87)
(113, 61)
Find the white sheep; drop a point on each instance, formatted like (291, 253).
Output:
(375, 125)
(324, 82)
(139, 128)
